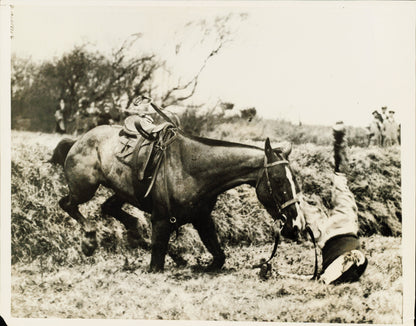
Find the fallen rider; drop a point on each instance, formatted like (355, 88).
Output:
(336, 234)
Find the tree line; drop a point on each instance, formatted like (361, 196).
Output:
(114, 80)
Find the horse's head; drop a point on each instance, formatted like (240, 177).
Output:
(277, 190)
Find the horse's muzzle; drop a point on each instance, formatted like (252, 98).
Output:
(291, 233)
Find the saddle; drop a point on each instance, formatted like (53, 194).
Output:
(135, 125)
(142, 145)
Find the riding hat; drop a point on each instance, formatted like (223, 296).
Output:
(342, 260)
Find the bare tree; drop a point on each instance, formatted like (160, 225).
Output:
(218, 33)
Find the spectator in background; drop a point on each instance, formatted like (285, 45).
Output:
(383, 117)
(383, 113)
(81, 117)
(391, 130)
(375, 129)
(92, 112)
(104, 117)
(59, 117)
(399, 132)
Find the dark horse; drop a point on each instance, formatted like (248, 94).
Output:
(194, 172)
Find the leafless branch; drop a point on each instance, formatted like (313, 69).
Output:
(170, 99)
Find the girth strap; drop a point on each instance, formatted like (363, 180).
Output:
(153, 178)
(138, 175)
(161, 148)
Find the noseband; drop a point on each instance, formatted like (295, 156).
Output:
(279, 207)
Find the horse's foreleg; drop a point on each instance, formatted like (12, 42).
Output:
(206, 229)
(89, 241)
(161, 230)
(112, 206)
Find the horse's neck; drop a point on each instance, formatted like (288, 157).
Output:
(218, 166)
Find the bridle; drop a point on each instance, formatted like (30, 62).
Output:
(282, 217)
(279, 207)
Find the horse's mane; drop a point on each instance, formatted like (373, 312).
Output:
(217, 142)
(224, 143)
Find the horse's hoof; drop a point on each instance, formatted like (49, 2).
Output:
(180, 262)
(216, 265)
(178, 259)
(205, 269)
(212, 268)
(88, 248)
(155, 269)
(134, 240)
(89, 243)
(198, 269)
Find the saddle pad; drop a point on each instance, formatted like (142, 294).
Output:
(135, 152)
(125, 149)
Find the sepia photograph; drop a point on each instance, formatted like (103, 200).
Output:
(207, 162)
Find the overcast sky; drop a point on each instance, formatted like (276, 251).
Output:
(314, 61)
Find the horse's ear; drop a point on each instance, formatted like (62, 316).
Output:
(284, 148)
(287, 150)
(268, 149)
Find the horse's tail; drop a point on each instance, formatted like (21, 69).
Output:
(61, 151)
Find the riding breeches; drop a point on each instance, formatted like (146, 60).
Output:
(342, 219)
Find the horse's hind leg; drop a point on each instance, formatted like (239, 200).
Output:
(112, 206)
(70, 205)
